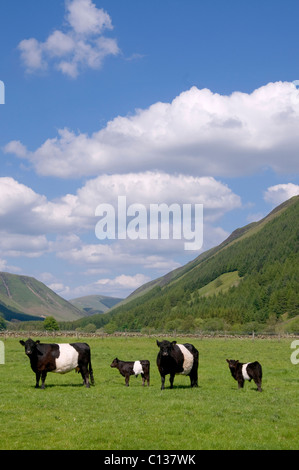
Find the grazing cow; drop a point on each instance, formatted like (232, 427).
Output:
(249, 371)
(60, 358)
(177, 359)
(127, 368)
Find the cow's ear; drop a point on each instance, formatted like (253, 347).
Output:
(38, 341)
(158, 343)
(227, 360)
(173, 343)
(237, 362)
(22, 342)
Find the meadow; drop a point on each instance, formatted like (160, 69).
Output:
(110, 416)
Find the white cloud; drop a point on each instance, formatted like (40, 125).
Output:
(33, 227)
(14, 197)
(32, 54)
(5, 267)
(17, 148)
(81, 46)
(16, 244)
(199, 133)
(281, 192)
(153, 187)
(85, 18)
(21, 207)
(119, 286)
(125, 282)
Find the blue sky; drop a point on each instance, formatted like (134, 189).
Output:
(165, 102)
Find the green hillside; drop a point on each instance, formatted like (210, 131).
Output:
(252, 278)
(92, 304)
(24, 298)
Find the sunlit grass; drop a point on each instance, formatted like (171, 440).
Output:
(111, 416)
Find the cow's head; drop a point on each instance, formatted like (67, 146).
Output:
(232, 364)
(30, 346)
(114, 363)
(166, 347)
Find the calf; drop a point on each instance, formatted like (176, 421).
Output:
(177, 359)
(249, 371)
(127, 368)
(60, 358)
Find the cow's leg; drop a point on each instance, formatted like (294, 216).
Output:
(171, 380)
(258, 384)
(44, 375)
(37, 377)
(143, 380)
(127, 377)
(240, 383)
(162, 382)
(85, 375)
(194, 378)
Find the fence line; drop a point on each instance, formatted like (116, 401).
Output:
(81, 334)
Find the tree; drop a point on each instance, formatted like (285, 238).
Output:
(50, 324)
(2, 323)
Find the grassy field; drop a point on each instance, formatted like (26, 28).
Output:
(111, 416)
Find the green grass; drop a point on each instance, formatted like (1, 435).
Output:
(111, 416)
(220, 284)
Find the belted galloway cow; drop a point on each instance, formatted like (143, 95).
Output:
(175, 359)
(60, 358)
(248, 371)
(128, 368)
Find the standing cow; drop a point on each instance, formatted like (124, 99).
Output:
(249, 371)
(175, 359)
(127, 368)
(60, 358)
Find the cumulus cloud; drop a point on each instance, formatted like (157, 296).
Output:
(32, 225)
(28, 211)
(82, 45)
(119, 286)
(125, 282)
(199, 133)
(281, 192)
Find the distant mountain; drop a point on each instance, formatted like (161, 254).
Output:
(93, 304)
(25, 298)
(253, 276)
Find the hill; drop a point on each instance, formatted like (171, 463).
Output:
(24, 298)
(252, 278)
(92, 304)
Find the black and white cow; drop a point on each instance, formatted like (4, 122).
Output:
(248, 371)
(127, 368)
(60, 358)
(175, 359)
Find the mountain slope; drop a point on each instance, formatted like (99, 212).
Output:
(23, 297)
(263, 258)
(92, 304)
